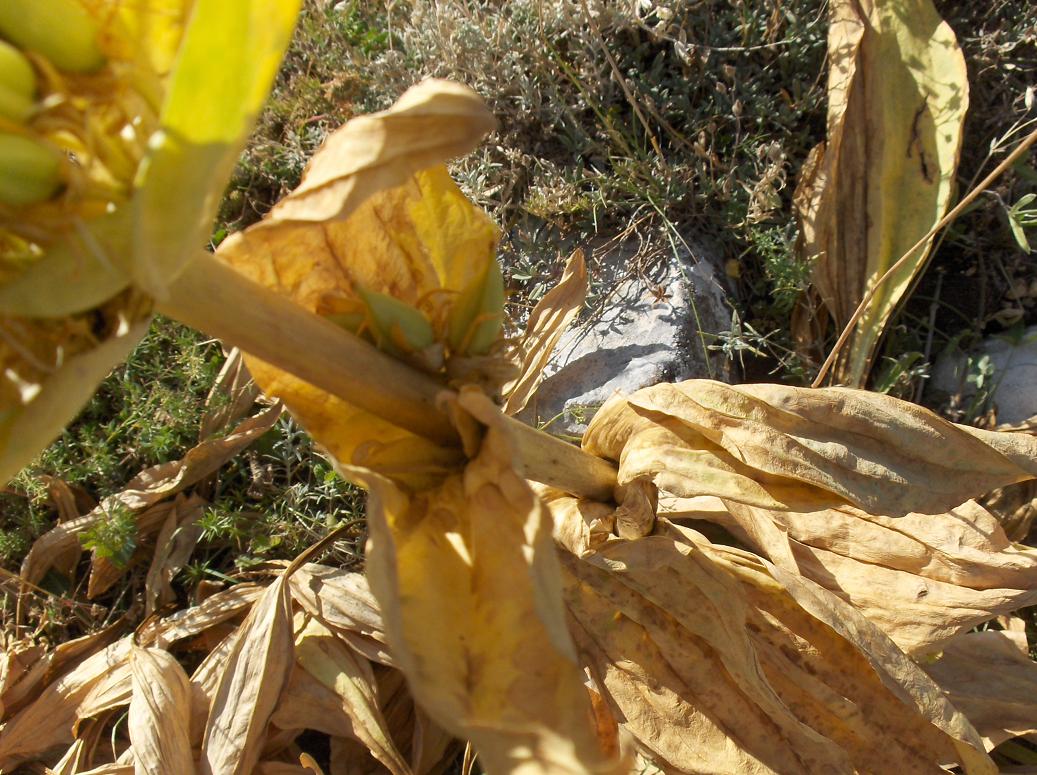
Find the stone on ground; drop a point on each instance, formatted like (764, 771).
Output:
(650, 327)
(1002, 366)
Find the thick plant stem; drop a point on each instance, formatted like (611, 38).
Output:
(213, 298)
(549, 460)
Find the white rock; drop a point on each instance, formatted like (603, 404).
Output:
(1013, 381)
(648, 331)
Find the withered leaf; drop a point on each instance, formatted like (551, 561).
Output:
(716, 661)
(433, 121)
(897, 97)
(230, 398)
(350, 677)
(48, 721)
(342, 601)
(579, 524)
(922, 578)
(549, 319)
(205, 680)
(148, 488)
(482, 638)
(160, 714)
(306, 703)
(376, 215)
(173, 546)
(26, 669)
(214, 610)
(796, 449)
(256, 672)
(72, 762)
(990, 677)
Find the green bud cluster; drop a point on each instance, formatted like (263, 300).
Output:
(65, 34)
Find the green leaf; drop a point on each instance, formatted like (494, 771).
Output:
(1018, 232)
(79, 273)
(227, 63)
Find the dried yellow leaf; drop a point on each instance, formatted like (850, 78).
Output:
(328, 659)
(922, 578)
(160, 714)
(377, 217)
(257, 669)
(144, 491)
(990, 677)
(468, 584)
(898, 92)
(433, 121)
(716, 661)
(48, 721)
(549, 319)
(342, 601)
(797, 449)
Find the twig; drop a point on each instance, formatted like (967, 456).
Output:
(954, 213)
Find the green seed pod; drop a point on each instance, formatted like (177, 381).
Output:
(478, 313)
(60, 30)
(17, 84)
(397, 326)
(351, 321)
(29, 171)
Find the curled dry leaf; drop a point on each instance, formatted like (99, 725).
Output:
(350, 677)
(797, 449)
(990, 677)
(173, 546)
(72, 762)
(922, 578)
(104, 572)
(897, 97)
(160, 714)
(257, 669)
(579, 524)
(230, 398)
(204, 682)
(18, 662)
(379, 239)
(214, 610)
(342, 601)
(48, 721)
(108, 769)
(716, 661)
(432, 122)
(307, 703)
(145, 490)
(1015, 507)
(27, 670)
(102, 680)
(549, 319)
(467, 580)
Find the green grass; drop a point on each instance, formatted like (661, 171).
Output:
(272, 501)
